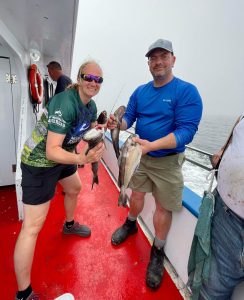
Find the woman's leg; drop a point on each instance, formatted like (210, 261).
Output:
(72, 188)
(34, 217)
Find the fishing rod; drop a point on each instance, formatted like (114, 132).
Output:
(123, 86)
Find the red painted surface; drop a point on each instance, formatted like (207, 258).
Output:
(89, 268)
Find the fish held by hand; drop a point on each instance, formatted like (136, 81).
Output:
(93, 137)
(128, 163)
(118, 114)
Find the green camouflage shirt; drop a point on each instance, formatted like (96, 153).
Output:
(65, 114)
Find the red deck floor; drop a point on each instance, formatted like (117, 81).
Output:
(88, 268)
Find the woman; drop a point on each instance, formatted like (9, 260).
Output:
(48, 157)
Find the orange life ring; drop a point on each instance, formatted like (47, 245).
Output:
(36, 86)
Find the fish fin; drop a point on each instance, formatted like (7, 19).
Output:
(117, 153)
(95, 180)
(136, 168)
(119, 158)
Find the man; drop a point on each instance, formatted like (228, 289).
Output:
(167, 112)
(227, 231)
(56, 73)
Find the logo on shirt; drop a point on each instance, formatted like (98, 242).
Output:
(166, 100)
(58, 113)
(76, 133)
(57, 120)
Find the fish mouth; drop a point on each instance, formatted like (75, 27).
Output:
(93, 134)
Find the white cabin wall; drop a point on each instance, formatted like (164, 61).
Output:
(23, 110)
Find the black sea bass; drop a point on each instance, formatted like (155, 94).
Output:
(128, 162)
(115, 132)
(93, 137)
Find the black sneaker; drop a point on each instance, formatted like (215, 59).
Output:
(77, 229)
(32, 296)
(155, 268)
(122, 233)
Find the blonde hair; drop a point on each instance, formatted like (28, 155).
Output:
(81, 69)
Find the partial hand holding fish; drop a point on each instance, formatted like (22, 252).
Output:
(145, 144)
(91, 155)
(112, 123)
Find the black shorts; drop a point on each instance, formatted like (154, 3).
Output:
(39, 183)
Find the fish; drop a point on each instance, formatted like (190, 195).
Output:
(129, 160)
(102, 118)
(115, 132)
(93, 137)
(94, 167)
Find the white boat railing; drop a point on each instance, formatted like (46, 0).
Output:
(199, 164)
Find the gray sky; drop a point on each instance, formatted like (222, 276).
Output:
(207, 38)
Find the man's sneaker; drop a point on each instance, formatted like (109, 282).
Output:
(77, 229)
(155, 268)
(32, 296)
(122, 233)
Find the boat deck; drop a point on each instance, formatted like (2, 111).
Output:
(89, 268)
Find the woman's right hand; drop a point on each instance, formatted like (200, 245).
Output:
(93, 154)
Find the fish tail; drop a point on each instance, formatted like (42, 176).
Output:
(117, 153)
(123, 197)
(95, 180)
(116, 149)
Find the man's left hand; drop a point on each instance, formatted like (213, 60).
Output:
(145, 145)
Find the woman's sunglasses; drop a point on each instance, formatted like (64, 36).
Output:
(90, 78)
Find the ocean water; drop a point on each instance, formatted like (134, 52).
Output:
(211, 136)
(213, 132)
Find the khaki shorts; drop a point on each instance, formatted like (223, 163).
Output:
(161, 176)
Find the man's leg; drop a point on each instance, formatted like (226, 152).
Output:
(72, 188)
(34, 217)
(129, 227)
(162, 221)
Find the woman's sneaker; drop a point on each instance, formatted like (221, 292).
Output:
(77, 229)
(32, 296)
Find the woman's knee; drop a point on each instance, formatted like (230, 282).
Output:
(73, 191)
(33, 227)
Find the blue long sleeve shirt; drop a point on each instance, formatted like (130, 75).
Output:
(173, 108)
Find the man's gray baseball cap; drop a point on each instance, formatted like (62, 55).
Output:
(160, 44)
